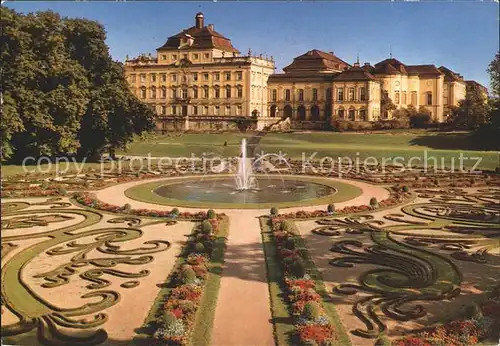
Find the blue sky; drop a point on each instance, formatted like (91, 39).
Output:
(461, 35)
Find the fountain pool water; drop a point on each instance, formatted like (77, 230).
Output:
(244, 178)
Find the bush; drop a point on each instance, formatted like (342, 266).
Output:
(420, 120)
(406, 188)
(473, 311)
(211, 214)
(311, 311)
(188, 276)
(44, 184)
(274, 211)
(298, 268)
(373, 202)
(331, 208)
(175, 212)
(285, 226)
(290, 244)
(225, 143)
(206, 227)
(169, 318)
(126, 208)
(62, 191)
(199, 248)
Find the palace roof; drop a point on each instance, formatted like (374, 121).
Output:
(318, 61)
(355, 73)
(450, 76)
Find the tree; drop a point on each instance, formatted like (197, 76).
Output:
(386, 104)
(56, 73)
(494, 72)
(419, 118)
(471, 111)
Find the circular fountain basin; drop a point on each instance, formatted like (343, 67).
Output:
(221, 192)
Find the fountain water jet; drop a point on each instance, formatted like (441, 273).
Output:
(245, 180)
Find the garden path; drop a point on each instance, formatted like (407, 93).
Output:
(243, 316)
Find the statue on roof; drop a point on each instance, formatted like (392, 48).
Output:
(249, 52)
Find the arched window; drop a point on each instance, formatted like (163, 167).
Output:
(174, 92)
(205, 92)
(287, 111)
(184, 93)
(143, 92)
(216, 91)
(362, 115)
(352, 114)
(153, 92)
(273, 111)
(228, 91)
(396, 97)
(301, 113)
(195, 92)
(163, 92)
(341, 113)
(351, 94)
(255, 113)
(301, 94)
(315, 113)
(239, 90)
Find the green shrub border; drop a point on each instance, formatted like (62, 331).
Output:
(283, 331)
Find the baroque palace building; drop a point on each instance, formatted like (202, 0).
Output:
(198, 80)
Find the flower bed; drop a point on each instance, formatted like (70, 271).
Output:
(482, 325)
(90, 200)
(312, 325)
(397, 196)
(176, 318)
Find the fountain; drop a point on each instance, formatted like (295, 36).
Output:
(244, 178)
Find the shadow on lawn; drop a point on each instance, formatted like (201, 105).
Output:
(446, 141)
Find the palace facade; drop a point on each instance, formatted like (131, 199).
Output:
(198, 79)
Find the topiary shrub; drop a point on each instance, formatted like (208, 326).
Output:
(44, 184)
(169, 318)
(406, 188)
(290, 244)
(126, 208)
(274, 211)
(298, 268)
(225, 143)
(199, 248)
(312, 311)
(61, 191)
(373, 202)
(175, 212)
(211, 214)
(206, 227)
(330, 208)
(473, 311)
(188, 276)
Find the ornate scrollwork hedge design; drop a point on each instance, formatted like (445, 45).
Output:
(51, 322)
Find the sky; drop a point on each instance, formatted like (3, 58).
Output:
(461, 35)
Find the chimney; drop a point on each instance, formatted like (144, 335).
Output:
(199, 20)
(331, 53)
(367, 64)
(211, 26)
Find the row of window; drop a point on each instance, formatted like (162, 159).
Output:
(351, 114)
(184, 92)
(352, 94)
(300, 94)
(185, 77)
(194, 56)
(201, 110)
(400, 98)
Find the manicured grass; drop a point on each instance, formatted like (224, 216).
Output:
(282, 320)
(144, 193)
(202, 329)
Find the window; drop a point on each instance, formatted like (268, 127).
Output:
(184, 93)
(275, 95)
(153, 92)
(163, 110)
(287, 94)
(240, 91)
(195, 57)
(163, 57)
(404, 98)
(238, 110)
(239, 75)
(216, 91)
(195, 110)
(329, 95)
(174, 57)
(228, 91)
(205, 110)
(195, 92)
(143, 93)
(207, 55)
(174, 110)
(153, 77)
(227, 110)
(340, 94)
(228, 75)
(362, 115)
(195, 77)
(315, 94)
(429, 98)
(174, 93)
(341, 113)
(413, 98)
(445, 100)
(362, 94)
(184, 56)
(184, 79)
(396, 97)
(173, 77)
(216, 110)
(217, 76)
(143, 78)
(132, 78)
(205, 76)
(163, 93)
(205, 92)
(301, 94)
(163, 77)
(351, 95)
(352, 115)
